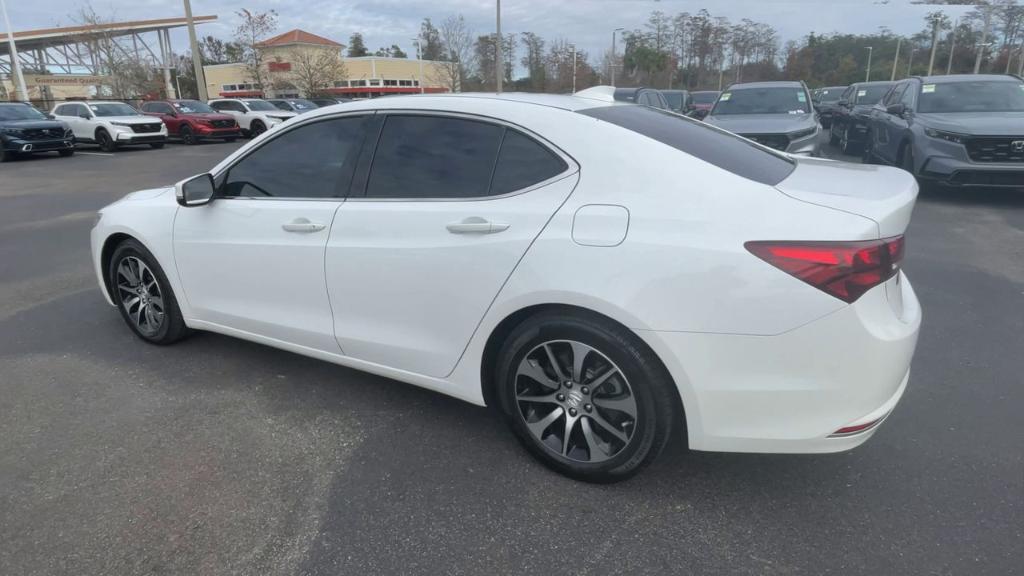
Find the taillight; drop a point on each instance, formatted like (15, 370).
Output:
(845, 270)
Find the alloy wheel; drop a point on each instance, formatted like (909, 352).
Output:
(575, 401)
(140, 295)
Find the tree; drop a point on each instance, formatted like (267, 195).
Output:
(254, 28)
(217, 51)
(431, 46)
(130, 75)
(315, 71)
(457, 40)
(356, 46)
(533, 61)
(393, 52)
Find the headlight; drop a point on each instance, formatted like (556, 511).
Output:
(12, 131)
(802, 133)
(125, 124)
(947, 136)
(68, 132)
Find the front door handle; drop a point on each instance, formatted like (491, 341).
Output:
(476, 225)
(303, 225)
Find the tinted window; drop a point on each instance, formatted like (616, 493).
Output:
(433, 157)
(727, 151)
(977, 96)
(762, 101)
(20, 112)
(311, 161)
(907, 99)
(894, 96)
(281, 105)
(870, 95)
(830, 94)
(522, 162)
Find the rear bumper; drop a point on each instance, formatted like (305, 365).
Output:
(961, 173)
(792, 392)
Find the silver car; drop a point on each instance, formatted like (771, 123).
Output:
(779, 115)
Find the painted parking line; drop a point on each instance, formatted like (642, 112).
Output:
(94, 153)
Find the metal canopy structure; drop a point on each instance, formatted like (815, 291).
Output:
(80, 49)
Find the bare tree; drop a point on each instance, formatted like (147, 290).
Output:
(314, 71)
(130, 75)
(254, 28)
(458, 53)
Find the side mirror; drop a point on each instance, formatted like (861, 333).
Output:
(84, 115)
(844, 103)
(195, 191)
(896, 109)
(50, 117)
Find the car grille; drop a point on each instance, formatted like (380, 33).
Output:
(996, 149)
(777, 141)
(43, 134)
(999, 178)
(146, 128)
(222, 123)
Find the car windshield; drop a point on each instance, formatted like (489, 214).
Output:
(763, 101)
(868, 95)
(830, 94)
(301, 104)
(675, 99)
(261, 106)
(192, 107)
(113, 109)
(704, 97)
(981, 96)
(20, 112)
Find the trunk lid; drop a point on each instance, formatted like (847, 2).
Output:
(883, 194)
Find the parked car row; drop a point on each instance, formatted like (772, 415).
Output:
(113, 124)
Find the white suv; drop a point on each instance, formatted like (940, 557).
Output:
(111, 124)
(254, 115)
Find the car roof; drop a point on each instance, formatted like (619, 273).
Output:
(706, 92)
(673, 91)
(776, 84)
(874, 83)
(942, 79)
(832, 87)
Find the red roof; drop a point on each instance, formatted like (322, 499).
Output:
(297, 37)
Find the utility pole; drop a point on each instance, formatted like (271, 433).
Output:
(984, 36)
(910, 62)
(419, 57)
(896, 59)
(612, 65)
(867, 76)
(952, 46)
(935, 44)
(1020, 65)
(573, 68)
(19, 80)
(499, 63)
(197, 57)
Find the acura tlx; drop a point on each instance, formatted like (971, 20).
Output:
(607, 276)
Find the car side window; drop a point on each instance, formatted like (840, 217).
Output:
(907, 99)
(522, 162)
(79, 110)
(433, 157)
(310, 161)
(894, 95)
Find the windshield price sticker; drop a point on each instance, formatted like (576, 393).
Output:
(725, 97)
(95, 108)
(862, 93)
(801, 97)
(927, 88)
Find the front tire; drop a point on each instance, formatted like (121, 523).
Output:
(143, 295)
(188, 137)
(5, 155)
(107, 144)
(66, 153)
(585, 396)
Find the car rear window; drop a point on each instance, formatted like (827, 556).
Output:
(727, 151)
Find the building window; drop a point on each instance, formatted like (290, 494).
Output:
(415, 82)
(391, 82)
(355, 83)
(227, 88)
(405, 82)
(375, 82)
(341, 83)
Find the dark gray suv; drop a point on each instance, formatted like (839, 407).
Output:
(961, 130)
(774, 114)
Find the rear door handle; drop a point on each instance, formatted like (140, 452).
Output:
(476, 225)
(303, 225)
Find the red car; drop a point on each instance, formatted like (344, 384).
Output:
(192, 120)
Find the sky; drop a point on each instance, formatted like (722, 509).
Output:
(587, 23)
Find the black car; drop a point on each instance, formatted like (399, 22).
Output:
(644, 96)
(678, 100)
(825, 102)
(25, 130)
(960, 130)
(852, 114)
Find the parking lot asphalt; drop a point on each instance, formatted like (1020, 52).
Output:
(217, 456)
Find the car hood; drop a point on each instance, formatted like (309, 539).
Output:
(763, 123)
(208, 116)
(129, 119)
(976, 123)
(32, 124)
(146, 194)
(281, 113)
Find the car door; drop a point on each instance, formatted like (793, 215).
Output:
(78, 118)
(889, 127)
(233, 108)
(253, 259)
(449, 206)
(169, 117)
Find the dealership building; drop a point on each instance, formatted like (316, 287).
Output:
(365, 77)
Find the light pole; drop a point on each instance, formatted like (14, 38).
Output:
(981, 47)
(499, 64)
(896, 59)
(867, 77)
(910, 61)
(197, 57)
(419, 57)
(952, 46)
(573, 68)
(612, 64)
(19, 80)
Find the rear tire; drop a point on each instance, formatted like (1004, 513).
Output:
(143, 295)
(833, 140)
(612, 414)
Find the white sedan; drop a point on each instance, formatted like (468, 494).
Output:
(608, 275)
